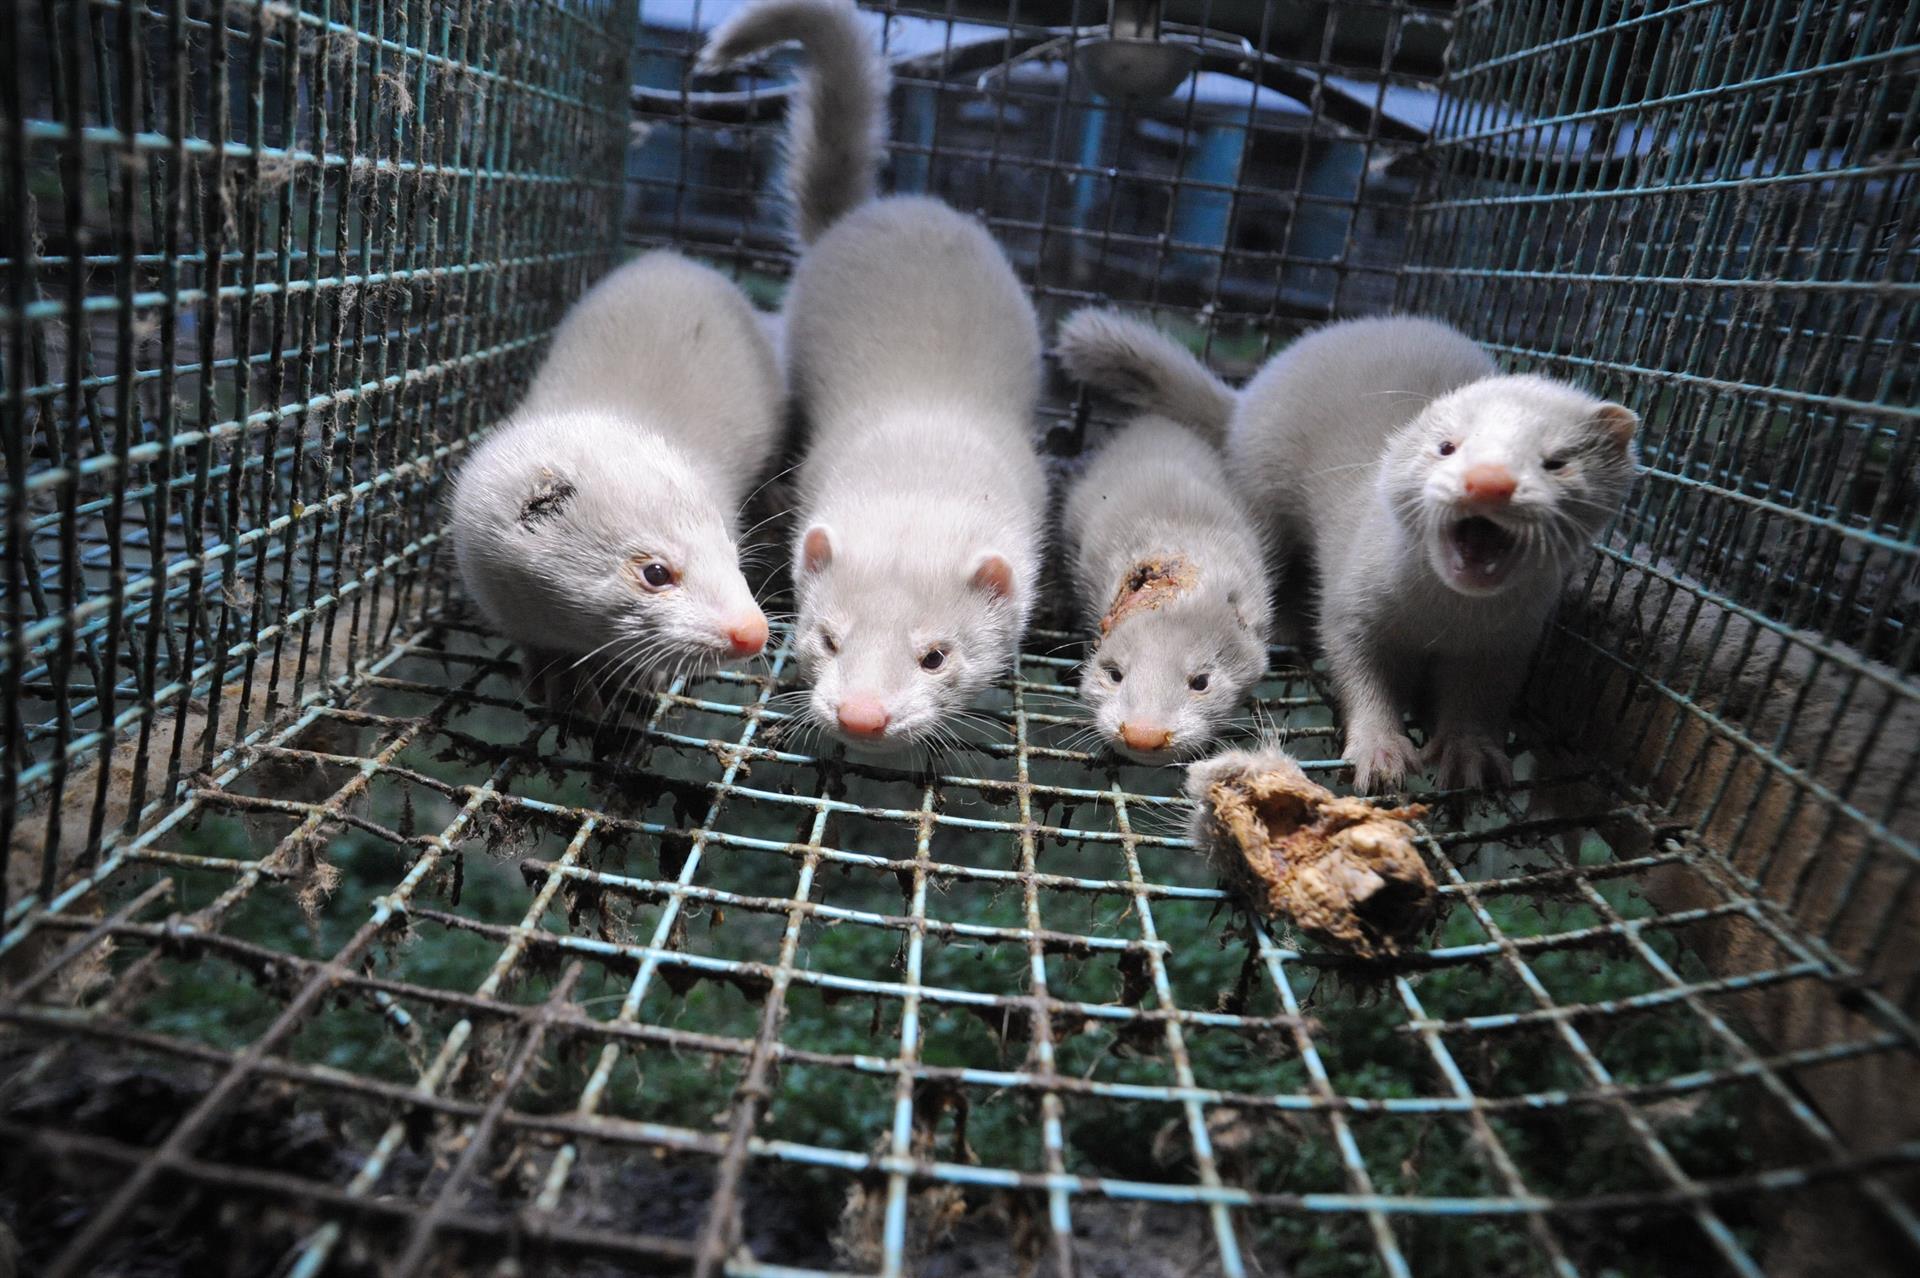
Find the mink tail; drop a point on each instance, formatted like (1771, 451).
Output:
(1141, 366)
(836, 123)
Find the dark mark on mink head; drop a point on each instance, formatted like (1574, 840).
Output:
(548, 500)
(1148, 584)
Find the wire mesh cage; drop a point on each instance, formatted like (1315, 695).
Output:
(324, 951)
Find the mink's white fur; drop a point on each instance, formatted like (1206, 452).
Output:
(1163, 679)
(1364, 447)
(658, 408)
(837, 118)
(914, 357)
(1368, 433)
(1144, 368)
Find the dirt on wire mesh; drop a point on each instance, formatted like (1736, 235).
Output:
(48, 1191)
(1341, 870)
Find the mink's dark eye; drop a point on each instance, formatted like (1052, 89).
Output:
(828, 642)
(654, 574)
(1555, 462)
(1198, 683)
(1113, 671)
(1446, 448)
(933, 658)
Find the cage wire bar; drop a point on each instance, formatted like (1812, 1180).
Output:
(325, 952)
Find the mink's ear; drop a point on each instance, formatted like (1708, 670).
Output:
(547, 498)
(816, 549)
(1617, 423)
(1235, 602)
(993, 574)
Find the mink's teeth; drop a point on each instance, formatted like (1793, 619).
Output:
(1479, 549)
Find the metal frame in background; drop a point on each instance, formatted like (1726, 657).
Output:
(1014, 951)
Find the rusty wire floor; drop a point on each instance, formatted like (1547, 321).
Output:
(423, 982)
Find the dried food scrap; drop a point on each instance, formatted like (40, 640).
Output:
(1149, 584)
(1342, 870)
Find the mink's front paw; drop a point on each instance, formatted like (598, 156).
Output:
(1381, 760)
(1463, 760)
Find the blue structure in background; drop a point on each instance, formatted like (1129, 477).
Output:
(1212, 163)
(1201, 215)
(1222, 120)
(1086, 186)
(913, 170)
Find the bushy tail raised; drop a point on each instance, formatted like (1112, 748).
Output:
(1141, 366)
(836, 123)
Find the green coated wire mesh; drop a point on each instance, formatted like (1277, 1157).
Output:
(324, 952)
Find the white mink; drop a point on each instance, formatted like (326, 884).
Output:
(1169, 571)
(1442, 506)
(597, 526)
(914, 357)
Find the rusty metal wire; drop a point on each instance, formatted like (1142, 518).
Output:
(323, 951)
(642, 876)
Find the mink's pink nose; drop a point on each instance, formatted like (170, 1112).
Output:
(1145, 738)
(863, 716)
(1488, 483)
(748, 635)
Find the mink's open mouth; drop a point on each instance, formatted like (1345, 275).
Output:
(1480, 553)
